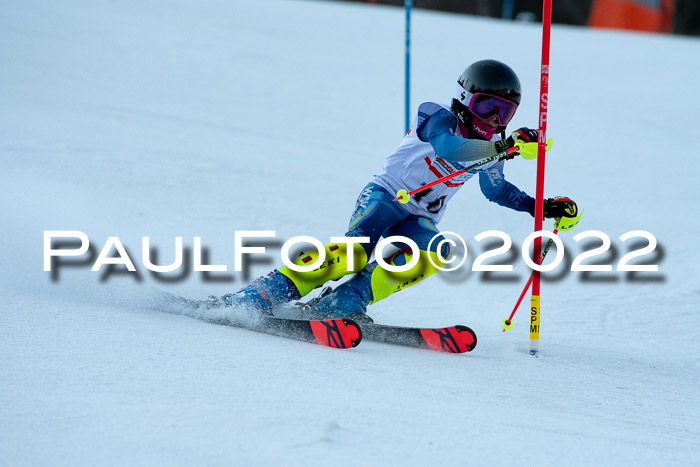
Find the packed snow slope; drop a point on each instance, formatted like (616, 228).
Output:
(174, 118)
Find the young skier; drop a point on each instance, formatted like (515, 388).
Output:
(441, 140)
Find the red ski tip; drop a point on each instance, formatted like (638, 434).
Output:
(455, 339)
(337, 333)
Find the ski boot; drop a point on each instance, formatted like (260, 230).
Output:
(349, 300)
(261, 296)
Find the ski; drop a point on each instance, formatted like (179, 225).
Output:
(453, 339)
(333, 331)
(336, 333)
(340, 333)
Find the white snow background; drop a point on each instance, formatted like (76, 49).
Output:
(183, 118)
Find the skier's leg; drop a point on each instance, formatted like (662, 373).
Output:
(374, 283)
(334, 267)
(421, 230)
(374, 212)
(284, 284)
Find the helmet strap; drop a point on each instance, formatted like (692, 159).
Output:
(464, 131)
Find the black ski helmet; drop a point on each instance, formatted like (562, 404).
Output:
(487, 77)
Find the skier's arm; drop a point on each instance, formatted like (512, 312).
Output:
(500, 191)
(437, 130)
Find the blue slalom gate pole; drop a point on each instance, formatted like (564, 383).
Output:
(507, 9)
(408, 64)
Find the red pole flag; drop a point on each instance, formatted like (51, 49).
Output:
(539, 191)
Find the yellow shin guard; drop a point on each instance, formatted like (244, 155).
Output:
(334, 267)
(385, 283)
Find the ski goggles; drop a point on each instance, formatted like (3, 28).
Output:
(485, 106)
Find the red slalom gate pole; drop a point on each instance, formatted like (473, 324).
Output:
(539, 192)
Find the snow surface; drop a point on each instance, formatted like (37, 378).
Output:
(165, 119)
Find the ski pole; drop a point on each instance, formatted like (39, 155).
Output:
(508, 322)
(403, 197)
(526, 150)
(560, 224)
